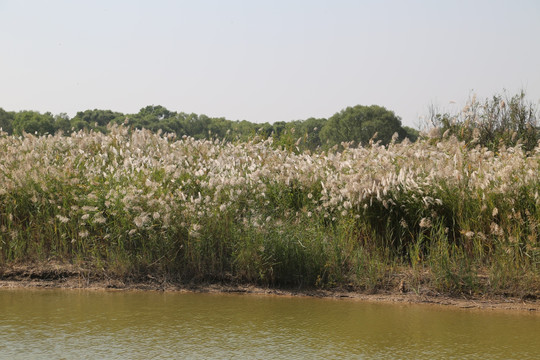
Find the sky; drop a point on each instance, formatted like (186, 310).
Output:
(265, 61)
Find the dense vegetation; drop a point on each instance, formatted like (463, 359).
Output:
(358, 124)
(446, 212)
(499, 121)
(134, 202)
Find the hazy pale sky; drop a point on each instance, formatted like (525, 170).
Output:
(265, 60)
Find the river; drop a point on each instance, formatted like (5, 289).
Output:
(85, 324)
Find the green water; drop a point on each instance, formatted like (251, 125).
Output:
(76, 324)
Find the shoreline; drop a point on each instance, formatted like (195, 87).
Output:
(54, 276)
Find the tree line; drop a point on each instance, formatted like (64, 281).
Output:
(358, 124)
(501, 120)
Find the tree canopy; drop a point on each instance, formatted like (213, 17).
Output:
(33, 122)
(360, 124)
(6, 121)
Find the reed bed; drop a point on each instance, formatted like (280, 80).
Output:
(455, 219)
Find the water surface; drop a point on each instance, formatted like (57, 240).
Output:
(79, 324)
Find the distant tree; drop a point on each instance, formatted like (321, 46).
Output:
(412, 134)
(245, 130)
(33, 122)
(95, 119)
(298, 135)
(6, 121)
(310, 130)
(360, 124)
(62, 122)
(156, 112)
(157, 117)
(219, 127)
(196, 126)
(278, 128)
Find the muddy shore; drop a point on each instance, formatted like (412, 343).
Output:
(67, 276)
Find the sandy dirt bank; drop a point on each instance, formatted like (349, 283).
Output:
(53, 275)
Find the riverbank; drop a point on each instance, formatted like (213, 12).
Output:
(69, 276)
(427, 218)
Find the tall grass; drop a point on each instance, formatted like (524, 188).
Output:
(201, 210)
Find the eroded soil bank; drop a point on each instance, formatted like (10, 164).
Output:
(69, 276)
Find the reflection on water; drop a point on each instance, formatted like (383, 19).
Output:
(57, 324)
